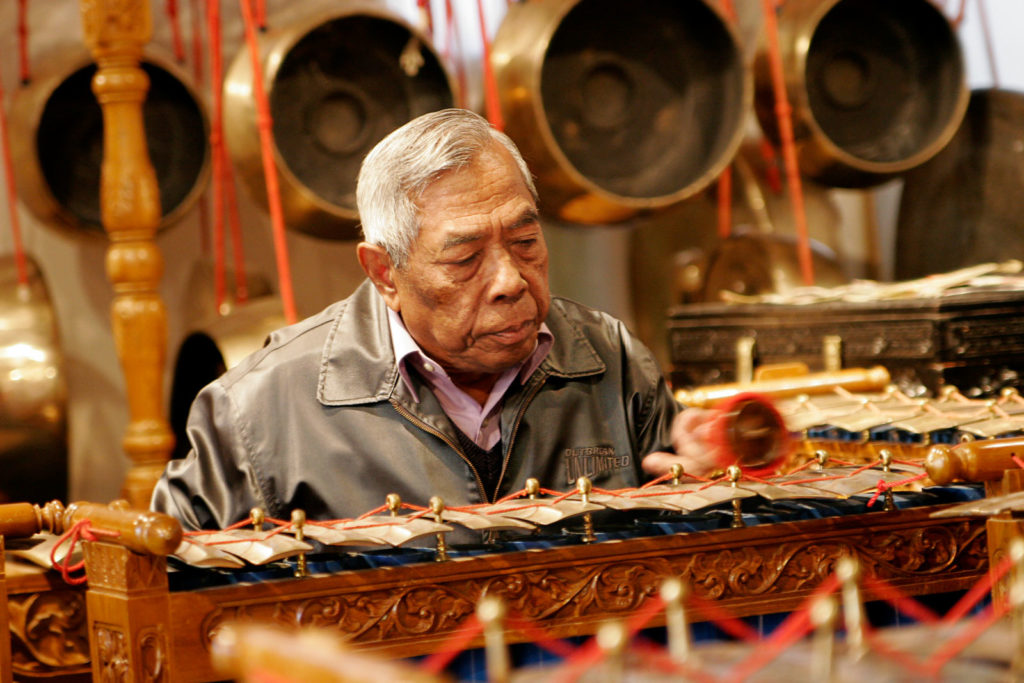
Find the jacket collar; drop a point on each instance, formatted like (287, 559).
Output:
(358, 362)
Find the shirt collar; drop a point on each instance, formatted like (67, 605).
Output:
(408, 352)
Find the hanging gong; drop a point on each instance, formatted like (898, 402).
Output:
(57, 142)
(619, 108)
(964, 206)
(336, 87)
(33, 390)
(876, 87)
(212, 348)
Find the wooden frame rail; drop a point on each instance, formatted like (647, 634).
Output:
(137, 625)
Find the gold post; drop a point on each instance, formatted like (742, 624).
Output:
(848, 571)
(298, 523)
(673, 592)
(115, 32)
(734, 473)
(584, 486)
(823, 615)
(437, 507)
(491, 612)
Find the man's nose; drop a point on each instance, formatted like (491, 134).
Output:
(507, 281)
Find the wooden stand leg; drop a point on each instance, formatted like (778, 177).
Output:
(115, 31)
(128, 611)
(5, 628)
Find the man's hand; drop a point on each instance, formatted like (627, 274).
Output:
(691, 431)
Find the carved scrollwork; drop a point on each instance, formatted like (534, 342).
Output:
(153, 654)
(112, 651)
(49, 631)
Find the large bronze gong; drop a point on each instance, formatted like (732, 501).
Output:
(33, 390)
(57, 141)
(336, 86)
(877, 86)
(619, 107)
(966, 204)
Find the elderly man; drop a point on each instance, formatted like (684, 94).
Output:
(451, 371)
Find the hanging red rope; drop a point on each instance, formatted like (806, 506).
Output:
(23, 41)
(783, 112)
(426, 18)
(261, 14)
(217, 153)
(197, 73)
(453, 52)
(12, 198)
(491, 100)
(172, 15)
(986, 29)
(265, 126)
(725, 179)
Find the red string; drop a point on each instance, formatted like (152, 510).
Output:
(978, 591)
(771, 167)
(176, 42)
(908, 606)
(491, 100)
(23, 41)
(196, 16)
(883, 486)
(458, 642)
(783, 113)
(1017, 461)
(453, 52)
(540, 637)
(428, 19)
(80, 529)
(722, 619)
(217, 150)
(261, 14)
(958, 19)
(12, 198)
(725, 203)
(265, 125)
(989, 45)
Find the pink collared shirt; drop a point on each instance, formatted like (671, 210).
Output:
(480, 423)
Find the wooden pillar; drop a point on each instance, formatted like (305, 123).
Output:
(6, 672)
(115, 32)
(128, 613)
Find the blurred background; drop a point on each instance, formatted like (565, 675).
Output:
(629, 227)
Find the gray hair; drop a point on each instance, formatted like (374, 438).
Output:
(401, 166)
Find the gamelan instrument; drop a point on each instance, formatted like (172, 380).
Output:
(569, 560)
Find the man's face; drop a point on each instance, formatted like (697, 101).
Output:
(474, 290)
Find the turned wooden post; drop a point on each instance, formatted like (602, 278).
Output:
(6, 672)
(115, 32)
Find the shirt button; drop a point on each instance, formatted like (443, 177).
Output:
(429, 367)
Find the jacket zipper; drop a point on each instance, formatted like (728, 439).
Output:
(515, 430)
(430, 430)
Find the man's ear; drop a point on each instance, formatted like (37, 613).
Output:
(377, 264)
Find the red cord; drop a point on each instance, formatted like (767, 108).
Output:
(217, 151)
(265, 126)
(453, 52)
(196, 16)
(725, 203)
(80, 529)
(20, 263)
(491, 100)
(176, 42)
(783, 112)
(989, 45)
(23, 41)
(455, 644)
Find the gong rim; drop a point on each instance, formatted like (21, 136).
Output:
(820, 155)
(29, 105)
(519, 55)
(304, 209)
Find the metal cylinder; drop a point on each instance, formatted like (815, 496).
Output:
(876, 87)
(619, 109)
(336, 85)
(57, 141)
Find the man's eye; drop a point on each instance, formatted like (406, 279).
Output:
(464, 262)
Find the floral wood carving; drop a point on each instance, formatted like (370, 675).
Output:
(112, 652)
(49, 632)
(618, 585)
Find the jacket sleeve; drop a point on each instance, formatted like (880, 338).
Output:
(215, 485)
(652, 406)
